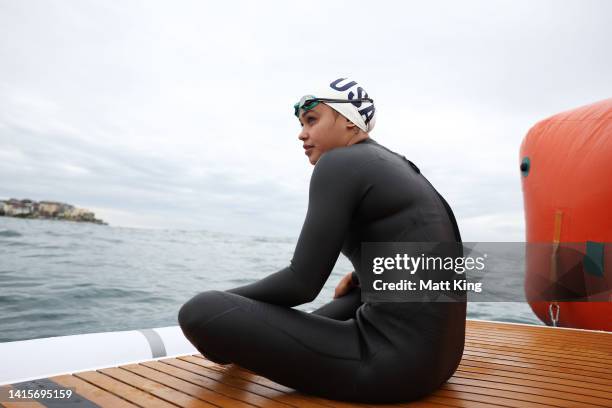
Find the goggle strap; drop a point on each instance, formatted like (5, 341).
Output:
(308, 104)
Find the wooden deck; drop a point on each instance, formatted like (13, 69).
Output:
(503, 364)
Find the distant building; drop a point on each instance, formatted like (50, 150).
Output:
(80, 214)
(17, 208)
(33, 205)
(49, 208)
(65, 210)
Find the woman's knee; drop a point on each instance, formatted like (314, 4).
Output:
(194, 315)
(200, 308)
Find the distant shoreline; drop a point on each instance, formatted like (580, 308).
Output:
(21, 217)
(46, 210)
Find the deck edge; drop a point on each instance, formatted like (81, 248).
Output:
(541, 326)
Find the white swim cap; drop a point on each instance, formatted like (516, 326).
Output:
(361, 113)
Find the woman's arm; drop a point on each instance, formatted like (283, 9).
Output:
(335, 191)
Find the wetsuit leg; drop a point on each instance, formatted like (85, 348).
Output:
(304, 351)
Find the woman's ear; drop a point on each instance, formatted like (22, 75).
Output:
(350, 125)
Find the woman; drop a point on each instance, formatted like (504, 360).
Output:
(348, 349)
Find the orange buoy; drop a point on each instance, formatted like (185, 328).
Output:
(566, 172)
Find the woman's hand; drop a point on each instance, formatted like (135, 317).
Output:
(345, 284)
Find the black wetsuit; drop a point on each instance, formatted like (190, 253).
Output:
(347, 350)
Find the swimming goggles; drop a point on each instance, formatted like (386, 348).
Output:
(308, 102)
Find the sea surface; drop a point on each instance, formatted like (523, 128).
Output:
(61, 278)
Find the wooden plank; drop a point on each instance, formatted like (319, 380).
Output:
(252, 393)
(533, 348)
(558, 358)
(242, 394)
(602, 375)
(520, 397)
(159, 390)
(415, 404)
(600, 349)
(555, 397)
(510, 398)
(469, 398)
(509, 377)
(210, 395)
(461, 403)
(422, 403)
(435, 400)
(125, 391)
(565, 349)
(91, 392)
(525, 368)
(601, 346)
(599, 340)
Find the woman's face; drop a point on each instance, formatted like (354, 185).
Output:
(322, 129)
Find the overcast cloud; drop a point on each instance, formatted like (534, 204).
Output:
(178, 114)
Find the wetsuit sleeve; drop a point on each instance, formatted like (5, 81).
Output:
(335, 192)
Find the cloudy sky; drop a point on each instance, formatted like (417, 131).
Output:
(177, 114)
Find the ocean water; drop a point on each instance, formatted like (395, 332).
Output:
(61, 278)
